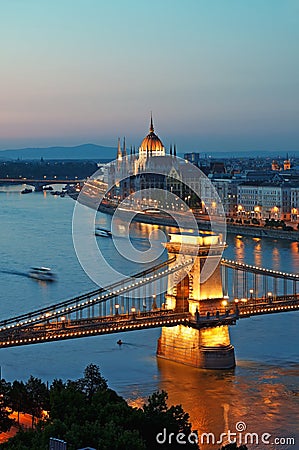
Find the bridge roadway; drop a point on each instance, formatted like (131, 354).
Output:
(72, 329)
(55, 330)
(65, 320)
(261, 306)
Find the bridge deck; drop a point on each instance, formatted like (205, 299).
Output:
(262, 306)
(65, 320)
(71, 329)
(55, 331)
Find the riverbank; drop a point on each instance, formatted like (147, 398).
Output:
(243, 230)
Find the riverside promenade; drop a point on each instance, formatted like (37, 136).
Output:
(243, 230)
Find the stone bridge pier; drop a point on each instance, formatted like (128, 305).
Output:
(208, 348)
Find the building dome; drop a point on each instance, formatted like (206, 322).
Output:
(151, 144)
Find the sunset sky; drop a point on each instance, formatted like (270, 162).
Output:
(218, 75)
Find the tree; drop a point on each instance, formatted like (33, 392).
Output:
(17, 396)
(113, 436)
(37, 397)
(157, 417)
(92, 381)
(67, 402)
(5, 421)
(87, 413)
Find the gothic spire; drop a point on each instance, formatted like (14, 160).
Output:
(119, 153)
(151, 124)
(124, 148)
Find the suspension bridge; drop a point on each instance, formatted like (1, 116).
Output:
(127, 306)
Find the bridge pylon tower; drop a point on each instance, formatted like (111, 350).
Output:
(208, 348)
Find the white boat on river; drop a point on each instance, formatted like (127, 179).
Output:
(42, 273)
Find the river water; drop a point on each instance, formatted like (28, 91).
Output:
(263, 390)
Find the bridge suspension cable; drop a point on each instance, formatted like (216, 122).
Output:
(84, 301)
(259, 270)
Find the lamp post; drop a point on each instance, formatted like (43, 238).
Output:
(133, 310)
(251, 294)
(63, 321)
(270, 297)
(224, 304)
(116, 309)
(154, 305)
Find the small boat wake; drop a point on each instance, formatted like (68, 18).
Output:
(38, 273)
(15, 272)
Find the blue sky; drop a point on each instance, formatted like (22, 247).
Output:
(218, 75)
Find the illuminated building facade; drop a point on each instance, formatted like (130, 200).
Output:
(146, 170)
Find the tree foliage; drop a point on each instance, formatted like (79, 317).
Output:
(37, 397)
(87, 413)
(5, 421)
(18, 396)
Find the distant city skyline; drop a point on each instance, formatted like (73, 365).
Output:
(218, 76)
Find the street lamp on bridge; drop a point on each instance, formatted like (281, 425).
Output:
(224, 304)
(270, 297)
(133, 310)
(154, 305)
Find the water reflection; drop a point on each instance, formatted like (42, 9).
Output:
(276, 258)
(217, 400)
(239, 249)
(257, 251)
